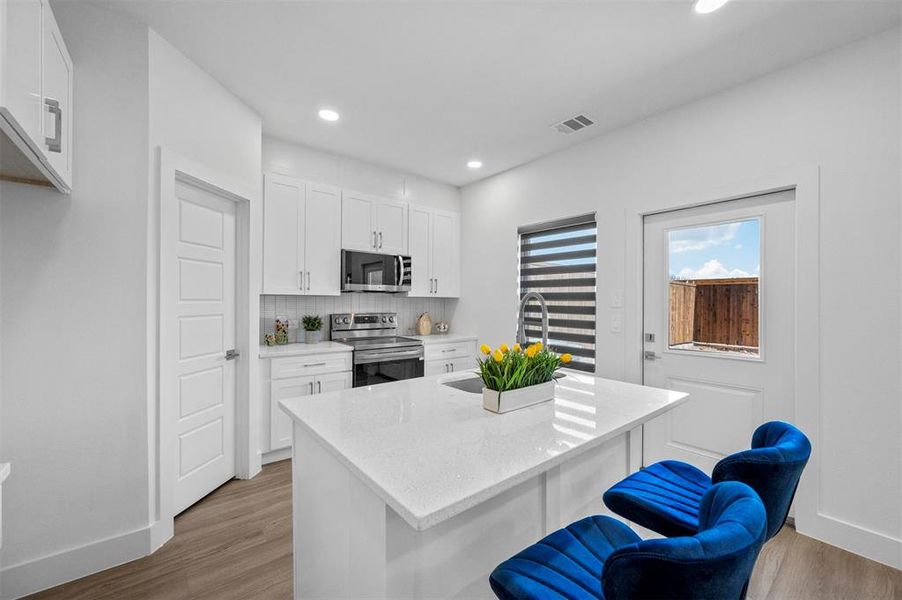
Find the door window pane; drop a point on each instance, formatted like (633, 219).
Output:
(713, 293)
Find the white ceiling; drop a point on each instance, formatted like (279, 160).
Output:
(425, 86)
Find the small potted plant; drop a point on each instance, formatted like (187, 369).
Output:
(515, 378)
(312, 325)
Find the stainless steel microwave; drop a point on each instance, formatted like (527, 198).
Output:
(368, 272)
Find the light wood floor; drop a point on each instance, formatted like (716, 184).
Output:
(236, 543)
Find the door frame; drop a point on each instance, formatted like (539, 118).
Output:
(162, 419)
(805, 180)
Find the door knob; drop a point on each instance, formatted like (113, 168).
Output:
(232, 354)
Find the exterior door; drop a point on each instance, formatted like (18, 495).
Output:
(283, 248)
(718, 323)
(391, 225)
(445, 254)
(420, 240)
(322, 240)
(205, 331)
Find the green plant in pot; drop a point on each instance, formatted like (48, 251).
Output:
(312, 324)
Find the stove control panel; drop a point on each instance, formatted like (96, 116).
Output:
(354, 321)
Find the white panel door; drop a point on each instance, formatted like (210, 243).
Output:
(21, 87)
(446, 254)
(205, 314)
(420, 241)
(461, 364)
(279, 422)
(391, 226)
(714, 275)
(322, 240)
(283, 248)
(57, 90)
(333, 382)
(358, 218)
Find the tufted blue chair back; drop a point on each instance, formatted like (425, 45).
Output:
(772, 468)
(715, 563)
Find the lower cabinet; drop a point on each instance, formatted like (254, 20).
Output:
(453, 357)
(277, 428)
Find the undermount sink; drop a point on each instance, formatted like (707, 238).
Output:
(473, 385)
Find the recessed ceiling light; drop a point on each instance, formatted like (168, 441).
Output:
(474, 164)
(327, 114)
(707, 6)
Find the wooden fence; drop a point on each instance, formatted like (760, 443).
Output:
(714, 311)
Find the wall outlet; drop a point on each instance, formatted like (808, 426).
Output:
(616, 323)
(617, 299)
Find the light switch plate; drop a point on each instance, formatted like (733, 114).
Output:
(616, 324)
(617, 299)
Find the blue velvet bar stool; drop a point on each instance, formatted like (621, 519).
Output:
(665, 496)
(600, 557)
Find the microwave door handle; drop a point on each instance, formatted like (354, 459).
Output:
(399, 271)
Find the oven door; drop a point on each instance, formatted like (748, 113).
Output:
(368, 272)
(372, 367)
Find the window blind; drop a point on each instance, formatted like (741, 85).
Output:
(558, 260)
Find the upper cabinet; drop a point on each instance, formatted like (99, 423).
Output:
(434, 253)
(372, 224)
(36, 108)
(301, 237)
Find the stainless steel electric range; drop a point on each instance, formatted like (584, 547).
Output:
(380, 355)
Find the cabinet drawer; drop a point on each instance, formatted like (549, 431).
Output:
(452, 350)
(300, 366)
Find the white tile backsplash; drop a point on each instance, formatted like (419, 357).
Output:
(295, 307)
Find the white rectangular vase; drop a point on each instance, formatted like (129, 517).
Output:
(501, 402)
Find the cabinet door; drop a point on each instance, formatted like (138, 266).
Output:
(332, 382)
(446, 254)
(322, 240)
(435, 367)
(283, 250)
(391, 226)
(279, 422)
(21, 69)
(461, 364)
(420, 242)
(57, 90)
(358, 222)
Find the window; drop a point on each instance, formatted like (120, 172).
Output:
(713, 299)
(557, 260)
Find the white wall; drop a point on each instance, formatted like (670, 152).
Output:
(840, 111)
(73, 307)
(195, 117)
(307, 163)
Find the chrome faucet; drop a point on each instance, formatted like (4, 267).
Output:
(521, 324)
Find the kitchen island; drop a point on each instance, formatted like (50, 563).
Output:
(411, 489)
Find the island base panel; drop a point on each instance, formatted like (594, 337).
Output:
(348, 543)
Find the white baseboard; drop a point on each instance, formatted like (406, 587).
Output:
(49, 571)
(276, 455)
(856, 539)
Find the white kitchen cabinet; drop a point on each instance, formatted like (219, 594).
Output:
(373, 224)
(450, 357)
(301, 237)
(434, 253)
(450, 365)
(296, 377)
(36, 96)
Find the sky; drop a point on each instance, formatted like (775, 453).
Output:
(716, 251)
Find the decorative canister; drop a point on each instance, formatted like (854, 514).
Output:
(424, 324)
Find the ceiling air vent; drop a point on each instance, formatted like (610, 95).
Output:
(573, 124)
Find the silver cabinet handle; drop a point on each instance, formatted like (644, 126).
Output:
(452, 367)
(308, 281)
(374, 238)
(311, 387)
(446, 367)
(319, 386)
(436, 285)
(380, 240)
(54, 144)
(320, 364)
(300, 280)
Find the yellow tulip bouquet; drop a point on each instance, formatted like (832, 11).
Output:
(505, 368)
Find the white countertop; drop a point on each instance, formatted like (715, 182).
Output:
(303, 349)
(444, 338)
(431, 451)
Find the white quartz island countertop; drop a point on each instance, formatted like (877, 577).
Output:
(430, 451)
